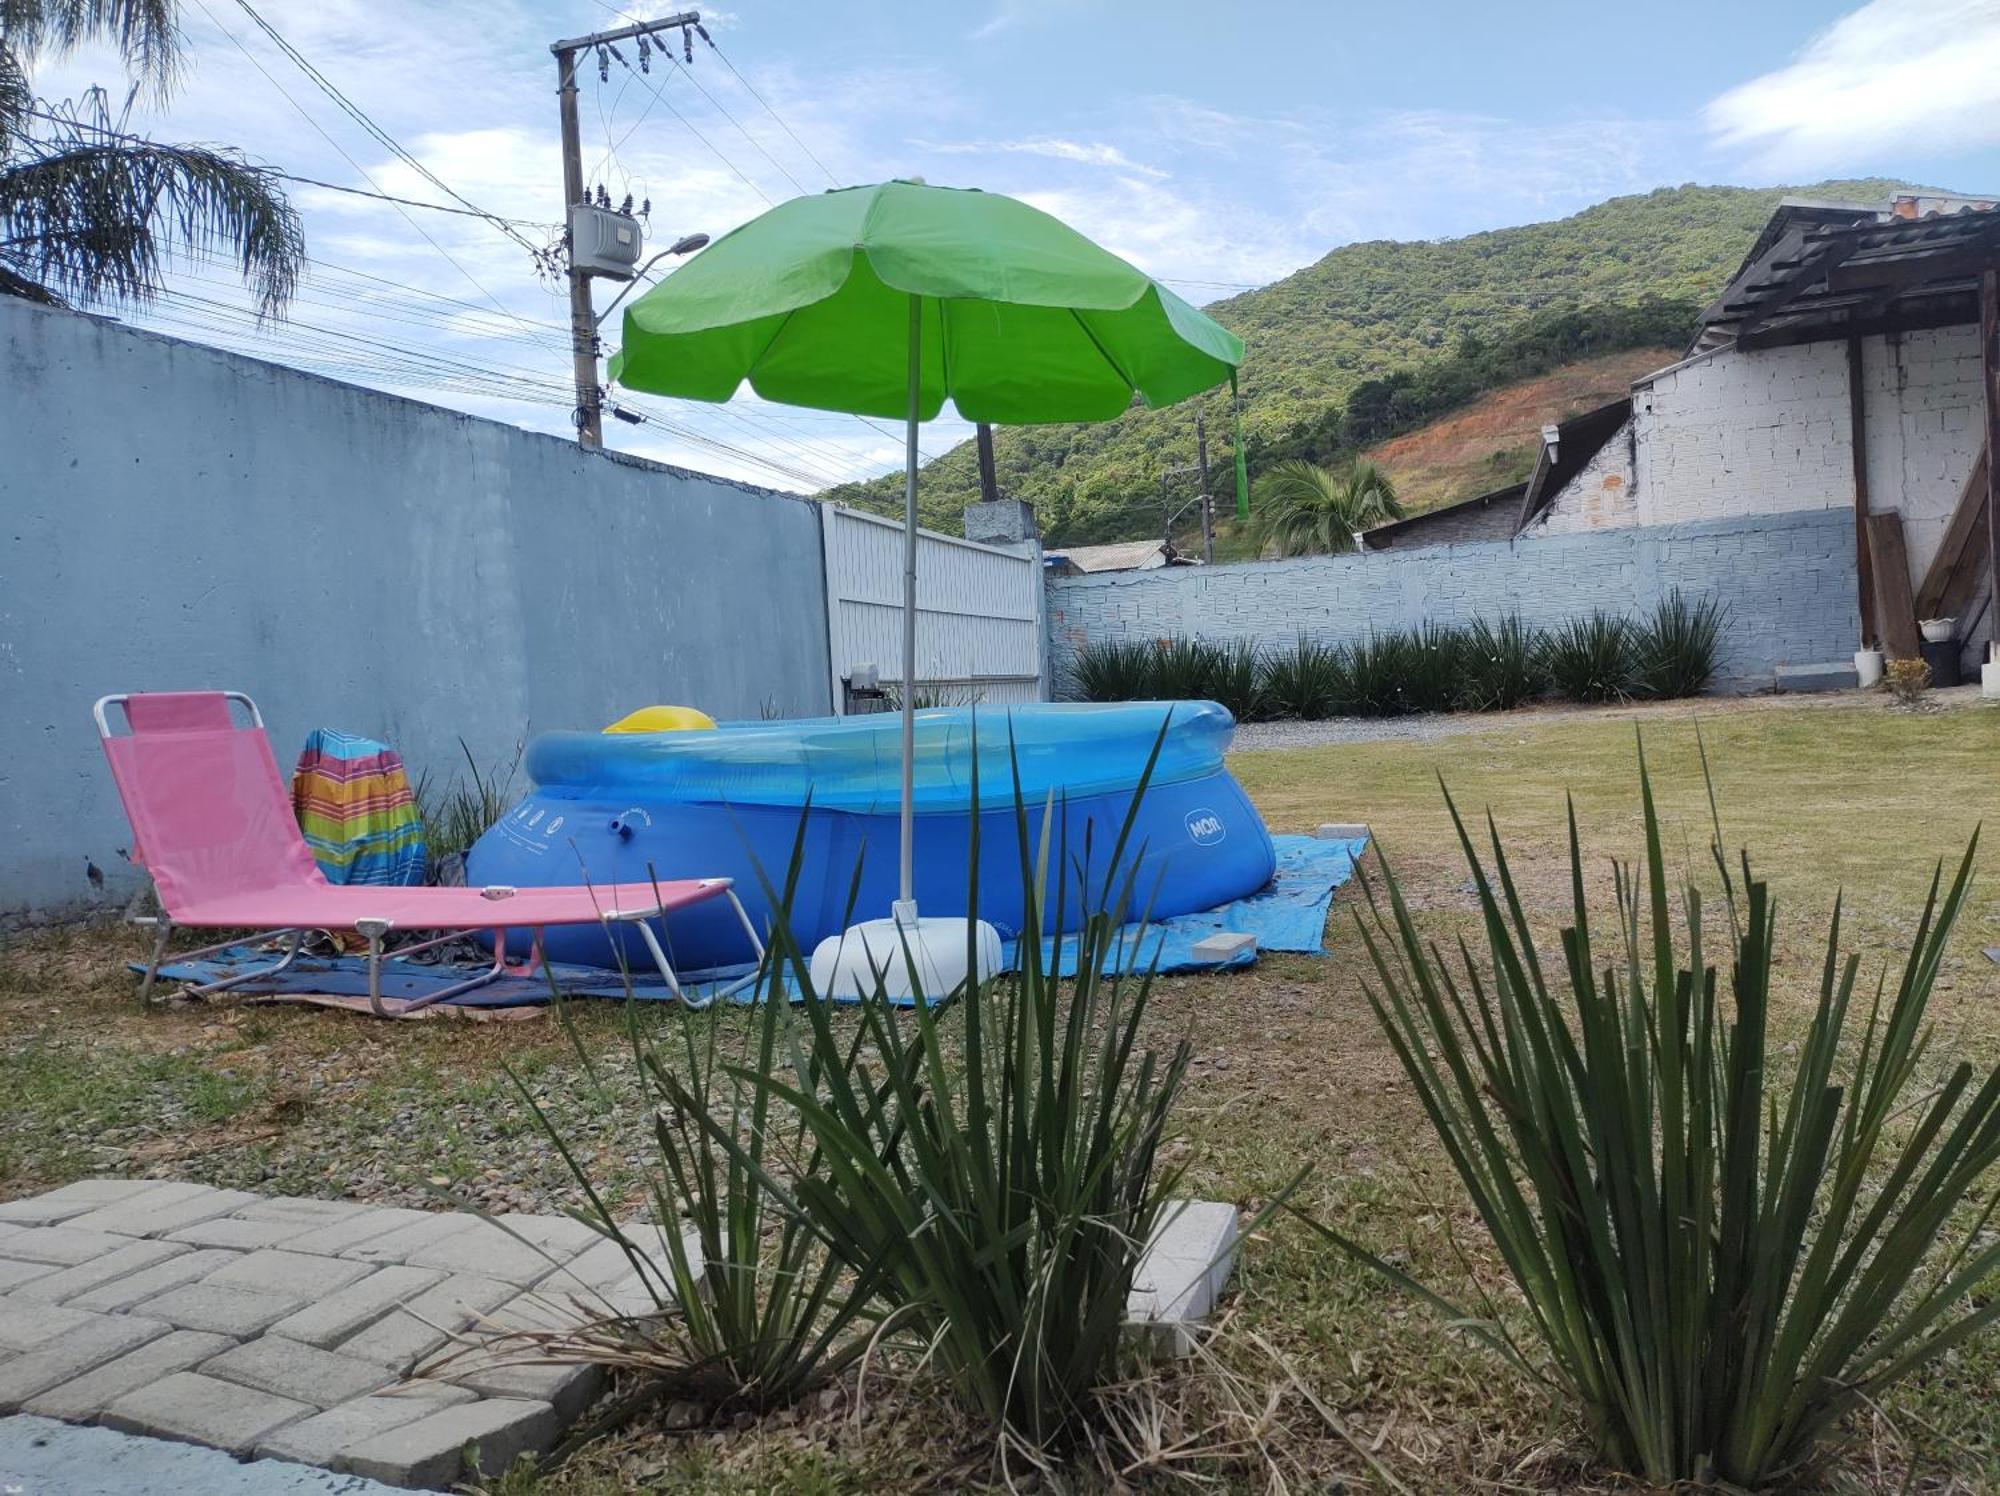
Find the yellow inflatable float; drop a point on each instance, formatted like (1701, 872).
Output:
(663, 719)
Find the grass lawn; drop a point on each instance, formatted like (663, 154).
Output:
(1291, 1068)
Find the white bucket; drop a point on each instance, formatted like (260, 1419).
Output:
(1989, 680)
(1868, 668)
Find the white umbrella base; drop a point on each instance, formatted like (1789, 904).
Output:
(876, 957)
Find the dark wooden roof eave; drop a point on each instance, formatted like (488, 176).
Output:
(1812, 281)
(1390, 529)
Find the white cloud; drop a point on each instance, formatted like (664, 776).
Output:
(1052, 147)
(1431, 173)
(1011, 13)
(1177, 235)
(1893, 76)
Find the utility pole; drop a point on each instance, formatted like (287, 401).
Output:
(1207, 498)
(582, 315)
(989, 484)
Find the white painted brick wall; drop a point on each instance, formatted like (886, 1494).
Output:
(1923, 403)
(1734, 433)
(1769, 432)
(1601, 495)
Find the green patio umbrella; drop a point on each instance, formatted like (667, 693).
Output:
(887, 300)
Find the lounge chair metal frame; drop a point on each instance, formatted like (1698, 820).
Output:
(375, 930)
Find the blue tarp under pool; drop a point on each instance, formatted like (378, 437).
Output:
(1289, 914)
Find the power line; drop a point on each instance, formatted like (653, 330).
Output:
(713, 150)
(832, 180)
(811, 456)
(359, 169)
(125, 137)
(811, 462)
(380, 135)
(757, 144)
(410, 202)
(750, 88)
(329, 349)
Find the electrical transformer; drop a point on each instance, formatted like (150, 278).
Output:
(603, 242)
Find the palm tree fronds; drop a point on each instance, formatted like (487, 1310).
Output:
(146, 33)
(92, 220)
(1305, 509)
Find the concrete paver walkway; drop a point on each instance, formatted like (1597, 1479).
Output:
(288, 1328)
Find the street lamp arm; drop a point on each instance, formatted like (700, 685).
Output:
(685, 246)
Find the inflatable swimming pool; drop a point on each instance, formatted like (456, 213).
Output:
(606, 808)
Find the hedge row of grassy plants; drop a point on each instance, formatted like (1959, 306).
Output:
(1484, 667)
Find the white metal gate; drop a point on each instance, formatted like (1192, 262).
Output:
(980, 627)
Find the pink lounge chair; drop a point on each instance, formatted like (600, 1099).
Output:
(212, 822)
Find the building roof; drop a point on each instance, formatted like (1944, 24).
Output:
(1821, 271)
(1126, 555)
(1462, 520)
(1565, 450)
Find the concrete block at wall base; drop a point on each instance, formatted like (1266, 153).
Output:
(1838, 675)
(1186, 1266)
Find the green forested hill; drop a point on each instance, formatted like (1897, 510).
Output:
(1367, 311)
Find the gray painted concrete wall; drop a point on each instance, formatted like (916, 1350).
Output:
(1788, 580)
(172, 517)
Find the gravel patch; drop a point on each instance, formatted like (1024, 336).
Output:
(1262, 737)
(1265, 737)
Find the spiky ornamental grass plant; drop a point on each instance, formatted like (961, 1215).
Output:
(1503, 666)
(1438, 657)
(1113, 670)
(996, 1160)
(750, 1312)
(1306, 682)
(1239, 681)
(1591, 659)
(1676, 649)
(1718, 1265)
(1377, 668)
(456, 816)
(1186, 669)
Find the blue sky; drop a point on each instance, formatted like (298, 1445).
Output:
(1218, 146)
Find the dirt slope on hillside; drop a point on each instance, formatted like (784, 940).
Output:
(1492, 442)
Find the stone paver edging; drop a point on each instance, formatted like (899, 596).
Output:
(289, 1329)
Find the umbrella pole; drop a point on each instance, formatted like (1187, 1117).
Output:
(908, 828)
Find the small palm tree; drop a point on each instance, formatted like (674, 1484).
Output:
(88, 211)
(1304, 509)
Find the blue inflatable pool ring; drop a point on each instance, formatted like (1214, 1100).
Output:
(620, 808)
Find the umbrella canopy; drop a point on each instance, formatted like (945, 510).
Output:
(1024, 320)
(888, 300)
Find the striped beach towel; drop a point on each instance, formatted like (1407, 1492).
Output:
(355, 807)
